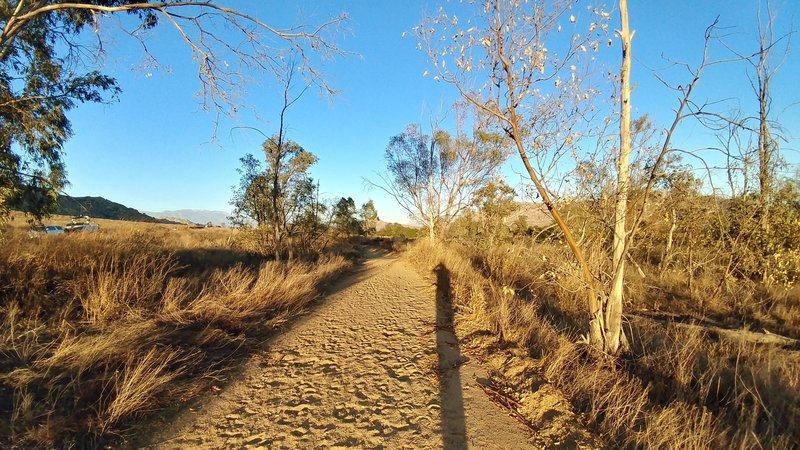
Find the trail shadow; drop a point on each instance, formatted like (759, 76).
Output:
(451, 399)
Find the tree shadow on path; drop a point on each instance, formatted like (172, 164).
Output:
(451, 399)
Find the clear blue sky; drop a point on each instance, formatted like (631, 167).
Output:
(151, 150)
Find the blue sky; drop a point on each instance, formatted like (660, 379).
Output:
(152, 149)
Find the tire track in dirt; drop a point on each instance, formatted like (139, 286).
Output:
(375, 366)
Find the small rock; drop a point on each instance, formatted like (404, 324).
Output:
(300, 431)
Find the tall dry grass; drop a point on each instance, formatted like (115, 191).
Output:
(681, 388)
(99, 329)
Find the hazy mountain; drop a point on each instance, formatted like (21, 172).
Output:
(535, 214)
(200, 216)
(100, 208)
(380, 225)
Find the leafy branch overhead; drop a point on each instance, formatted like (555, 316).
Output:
(48, 66)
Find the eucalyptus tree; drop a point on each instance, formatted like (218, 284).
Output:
(433, 177)
(526, 64)
(368, 216)
(48, 65)
(276, 212)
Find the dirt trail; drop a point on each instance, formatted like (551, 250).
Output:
(375, 366)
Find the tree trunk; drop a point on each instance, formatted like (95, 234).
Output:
(276, 241)
(764, 156)
(431, 215)
(764, 142)
(691, 268)
(670, 237)
(613, 309)
(596, 335)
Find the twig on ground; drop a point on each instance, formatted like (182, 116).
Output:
(507, 403)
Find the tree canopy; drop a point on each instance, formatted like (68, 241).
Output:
(47, 68)
(278, 196)
(433, 177)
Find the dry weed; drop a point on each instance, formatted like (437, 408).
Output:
(679, 389)
(98, 329)
(134, 388)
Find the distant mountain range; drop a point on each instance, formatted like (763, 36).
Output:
(199, 216)
(101, 208)
(98, 207)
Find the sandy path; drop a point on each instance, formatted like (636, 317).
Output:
(367, 369)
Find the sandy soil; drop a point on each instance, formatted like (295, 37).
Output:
(376, 365)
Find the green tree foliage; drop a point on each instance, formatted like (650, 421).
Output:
(251, 197)
(771, 255)
(520, 226)
(345, 220)
(400, 231)
(278, 199)
(369, 218)
(495, 202)
(484, 224)
(40, 82)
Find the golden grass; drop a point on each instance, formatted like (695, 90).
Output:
(99, 329)
(134, 388)
(679, 389)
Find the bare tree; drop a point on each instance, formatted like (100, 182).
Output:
(750, 142)
(222, 60)
(767, 147)
(504, 62)
(513, 63)
(763, 66)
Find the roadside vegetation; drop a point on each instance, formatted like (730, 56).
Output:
(100, 329)
(705, 368)
(662, 295)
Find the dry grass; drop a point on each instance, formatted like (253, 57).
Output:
(681, 388)
(99, 329)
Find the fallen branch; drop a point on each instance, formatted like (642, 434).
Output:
(504, 401)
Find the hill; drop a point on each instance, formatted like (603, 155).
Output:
(199, 216)
(535, 214)
(101, 208)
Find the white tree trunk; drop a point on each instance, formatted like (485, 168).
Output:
(670, 237)
(613, 309)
